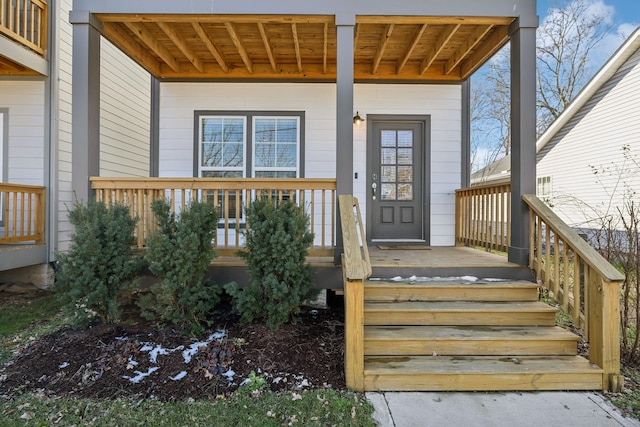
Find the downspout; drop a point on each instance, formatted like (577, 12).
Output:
(51, 107)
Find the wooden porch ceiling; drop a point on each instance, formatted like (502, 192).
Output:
(12, 68)
(293, 47)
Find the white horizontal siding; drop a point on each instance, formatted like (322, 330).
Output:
(125, 93)
(594, 138)
(318, 101)
(25, 144)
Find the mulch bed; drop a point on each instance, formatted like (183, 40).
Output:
(135, 358)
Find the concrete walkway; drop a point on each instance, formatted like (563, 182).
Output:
(512, 409)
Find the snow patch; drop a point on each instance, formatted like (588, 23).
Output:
(63, 365)
(178, 377)
(141, 375)
(193, 348)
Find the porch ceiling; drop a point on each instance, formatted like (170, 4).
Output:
(12, 68)
(291, 47)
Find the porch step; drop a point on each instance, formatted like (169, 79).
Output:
(454, 290)
(455, 313)
(468, 340)
(480, 373)
(458, 335)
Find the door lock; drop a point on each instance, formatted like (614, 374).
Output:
(374, 186)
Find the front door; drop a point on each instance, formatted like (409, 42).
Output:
(396, 180)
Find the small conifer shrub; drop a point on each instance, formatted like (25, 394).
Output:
(179, 254)
(101, 263)
(276, 248)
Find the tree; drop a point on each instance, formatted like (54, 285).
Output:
(565, 42)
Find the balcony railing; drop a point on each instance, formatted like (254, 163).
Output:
(22, 213)
(25, 21)
(483, 216)
(231, 196)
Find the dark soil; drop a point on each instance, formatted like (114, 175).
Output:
(100, 361)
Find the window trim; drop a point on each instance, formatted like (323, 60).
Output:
(249, 116)
(540, 185)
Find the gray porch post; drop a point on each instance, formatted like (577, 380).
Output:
(523, 135)
(85, 103)
(344, 115)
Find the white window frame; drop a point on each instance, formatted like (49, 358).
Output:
(254, 144)
(544, 187)
(201, 142)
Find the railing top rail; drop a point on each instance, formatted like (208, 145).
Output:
(214, 183)
(588, 254)
(484, 186)
(356, 266)
(8, 186)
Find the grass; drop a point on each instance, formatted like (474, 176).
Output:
(23, 321)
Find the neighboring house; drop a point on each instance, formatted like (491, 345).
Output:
(587, 159)
(35, 118)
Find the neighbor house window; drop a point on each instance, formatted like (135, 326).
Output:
(543, 190)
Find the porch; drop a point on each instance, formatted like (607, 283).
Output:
(24, 28)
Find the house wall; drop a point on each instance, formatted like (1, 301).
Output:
(23, 102)
(178, 101)
(593, 140)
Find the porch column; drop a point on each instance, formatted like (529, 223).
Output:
(523, 134)
(344, 114)
(85, 102)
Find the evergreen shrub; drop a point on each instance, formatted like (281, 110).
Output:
(179, 254)
(276, 248)
(101, 263)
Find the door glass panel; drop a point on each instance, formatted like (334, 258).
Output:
(388, 174)
(388, 192)
(405, 191)
(405, 156)
(388, 156)
(388, 138)
(405, 138)
(405, 173)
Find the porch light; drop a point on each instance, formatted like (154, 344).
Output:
(357, 119)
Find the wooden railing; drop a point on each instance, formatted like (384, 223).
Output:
(22, 213)
(582, 281)
(483, 216)
(231, 196)
(356, 267)
(25, 21)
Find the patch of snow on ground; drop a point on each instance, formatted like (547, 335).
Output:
(229, 374)
(63, 365)
(178, 377)
(193, 348)
(141, 375)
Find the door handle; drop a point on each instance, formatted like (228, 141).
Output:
(374, 186)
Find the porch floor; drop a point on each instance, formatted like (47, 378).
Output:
(435, 256)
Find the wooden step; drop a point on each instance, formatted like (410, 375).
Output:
(454, 290)
(457, 313)
(480, 373)
(468, 340)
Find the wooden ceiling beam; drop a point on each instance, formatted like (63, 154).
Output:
(296, 45)
(135, 50)
(442, 41)
(182, 44)
(267, 46)
(10, 64)
(466, 47)
(433, 20)
(231, 29)
(414, 42)
(384, 40)
(498, 38)
(152, 43)
(356, 36)
(199, 29)
(217, 18)
(325, 49)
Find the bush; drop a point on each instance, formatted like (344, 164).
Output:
(101, 263)
(280, 280)
(179, 254)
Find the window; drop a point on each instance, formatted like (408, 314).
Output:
(247, 144)
(543, 190)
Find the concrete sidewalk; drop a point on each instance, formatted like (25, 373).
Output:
(500, 409)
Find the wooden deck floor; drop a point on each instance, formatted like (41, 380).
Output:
(436, 256)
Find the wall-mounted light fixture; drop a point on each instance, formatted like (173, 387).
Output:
(357, 119)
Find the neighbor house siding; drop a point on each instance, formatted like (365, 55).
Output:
(593, 140)
(24, 103)
(318, 101)
(124, 115)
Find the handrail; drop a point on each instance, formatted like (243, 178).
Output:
(483, 216)
(25, 21)
(231, 196)
(582, 281)
(356, 267)
(22, 213)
